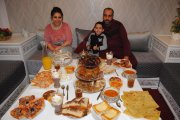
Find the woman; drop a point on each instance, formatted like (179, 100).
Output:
(58, 35)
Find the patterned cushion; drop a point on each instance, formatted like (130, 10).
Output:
(140, 42)
(170, 78)
(81, 34)
(149, 66)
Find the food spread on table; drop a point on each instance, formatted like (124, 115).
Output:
(29, 107)
(90, 73)
(140, 104)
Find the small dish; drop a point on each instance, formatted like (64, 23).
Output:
(110, 94)
(115, 82)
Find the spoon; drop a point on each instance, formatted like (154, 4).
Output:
(62, 86)
(118, 103)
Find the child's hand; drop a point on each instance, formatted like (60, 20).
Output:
(88, 47)
(95, 47)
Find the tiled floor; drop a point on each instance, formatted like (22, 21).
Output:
(166, 113)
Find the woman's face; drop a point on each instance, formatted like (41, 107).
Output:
(57, 19)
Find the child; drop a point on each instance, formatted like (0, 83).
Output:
(97, 41)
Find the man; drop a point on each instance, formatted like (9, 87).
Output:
(117, 39)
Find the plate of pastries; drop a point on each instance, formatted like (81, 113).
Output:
(122, 63)
(29, 107)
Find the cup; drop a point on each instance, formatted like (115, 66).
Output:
(56, 78)
(130, 80)
(47, 62)
(57, 101)
(109, 57)
(78, 92)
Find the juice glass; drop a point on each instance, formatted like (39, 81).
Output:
(47, 62)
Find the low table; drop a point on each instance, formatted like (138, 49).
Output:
(48, 112)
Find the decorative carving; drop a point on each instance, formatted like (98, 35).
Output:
(174, 53)
(29, 45)
(159, 46)
(171, 100)
(9, 51)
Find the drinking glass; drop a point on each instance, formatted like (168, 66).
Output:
(109, 57)
(47, 62)
(130, 80)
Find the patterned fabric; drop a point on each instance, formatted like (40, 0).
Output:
(12, 74)
(170, 78)
(149, 66)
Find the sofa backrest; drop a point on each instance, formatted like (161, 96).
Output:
(140, 42)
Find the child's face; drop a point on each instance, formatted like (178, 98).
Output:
(98, 29)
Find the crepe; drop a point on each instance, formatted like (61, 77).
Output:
(43, 79)
(140, 104)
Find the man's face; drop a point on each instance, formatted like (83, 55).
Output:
(107, 16)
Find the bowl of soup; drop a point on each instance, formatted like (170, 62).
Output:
(110, 94)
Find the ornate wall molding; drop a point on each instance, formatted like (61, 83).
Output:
(26, 47)
(9, 51)
(174, 53)
(159, 46)
(171, 100)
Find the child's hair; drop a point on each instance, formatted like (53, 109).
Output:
(99, 22)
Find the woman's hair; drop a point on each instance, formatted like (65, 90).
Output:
(99, 22)
(56, 10)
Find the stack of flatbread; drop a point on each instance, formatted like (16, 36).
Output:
(140, 104)
(42, 79)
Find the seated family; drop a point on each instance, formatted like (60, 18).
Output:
(108, 35)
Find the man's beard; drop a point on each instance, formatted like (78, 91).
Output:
(107, 22)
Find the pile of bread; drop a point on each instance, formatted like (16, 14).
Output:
(78, 107)
(105, 111)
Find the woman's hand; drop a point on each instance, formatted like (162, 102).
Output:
(58, 48)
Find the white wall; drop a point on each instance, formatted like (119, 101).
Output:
(4, 22)
(136, 15)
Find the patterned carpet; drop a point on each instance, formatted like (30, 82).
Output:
(166, 113)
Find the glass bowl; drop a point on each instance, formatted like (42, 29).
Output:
(110, 94)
